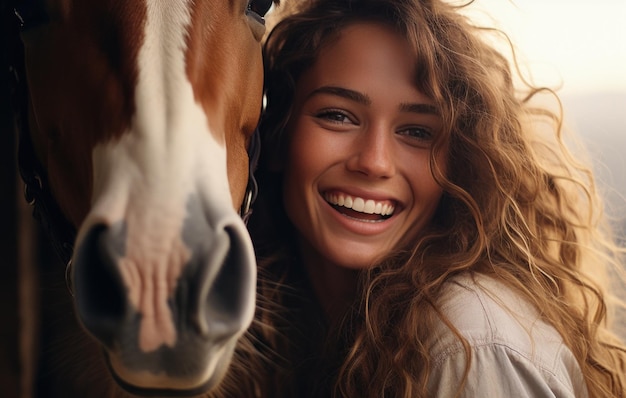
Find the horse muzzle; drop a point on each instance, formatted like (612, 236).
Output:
(168, 312)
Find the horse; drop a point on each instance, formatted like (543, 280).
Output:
(136, 127)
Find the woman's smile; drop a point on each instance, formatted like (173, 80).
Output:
(361, 209)
(358, 215)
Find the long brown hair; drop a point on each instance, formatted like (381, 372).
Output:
(516, 206)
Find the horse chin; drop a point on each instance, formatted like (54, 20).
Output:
(146, 384)
(155, 392)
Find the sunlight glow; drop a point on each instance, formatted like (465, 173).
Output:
(579, 45)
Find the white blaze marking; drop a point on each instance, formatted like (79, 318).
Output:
(145, 177)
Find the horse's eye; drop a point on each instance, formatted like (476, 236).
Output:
(259, 7)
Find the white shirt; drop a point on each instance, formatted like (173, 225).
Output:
(514, 352)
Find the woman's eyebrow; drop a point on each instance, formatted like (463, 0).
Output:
(419, 108)
(342, 92)
(361, 98)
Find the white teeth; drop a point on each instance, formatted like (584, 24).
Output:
(359, 204)
(370, 206)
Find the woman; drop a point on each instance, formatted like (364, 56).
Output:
(417, 234)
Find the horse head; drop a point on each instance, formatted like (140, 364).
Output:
(140, 114)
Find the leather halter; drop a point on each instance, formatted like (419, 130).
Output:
(37, 193)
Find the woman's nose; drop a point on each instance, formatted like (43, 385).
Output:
(373, 153)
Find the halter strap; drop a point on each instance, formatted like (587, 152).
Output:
(252, 190)
(36, 188)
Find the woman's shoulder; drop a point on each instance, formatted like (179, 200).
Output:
(507, 339)
(485, 309)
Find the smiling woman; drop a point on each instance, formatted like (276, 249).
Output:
(358, 91)
(417, 235)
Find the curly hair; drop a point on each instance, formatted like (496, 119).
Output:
(517, 206)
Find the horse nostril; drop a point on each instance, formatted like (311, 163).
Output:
(98, 286)
(228, 304)
(225, 294)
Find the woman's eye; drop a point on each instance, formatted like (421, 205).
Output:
(334, 116)
(421, 134)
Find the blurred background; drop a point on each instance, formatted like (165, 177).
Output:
(579, 48)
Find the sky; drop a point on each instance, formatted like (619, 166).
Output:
(581, 44)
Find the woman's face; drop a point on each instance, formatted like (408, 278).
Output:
(357, 181)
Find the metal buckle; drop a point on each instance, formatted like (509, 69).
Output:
(29, 194)
(246, 206)
(68, 278)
